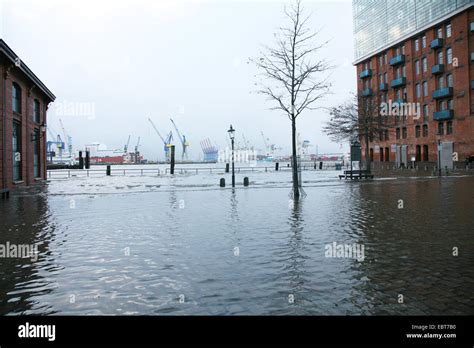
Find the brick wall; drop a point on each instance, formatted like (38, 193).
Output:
(462, 44)
(29, 92)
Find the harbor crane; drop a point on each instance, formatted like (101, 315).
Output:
(183, 141)
(67, 139)
(125, 148)
(166, 142)
(137, 153)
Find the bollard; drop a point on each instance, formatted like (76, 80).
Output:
(246, 181)
(81, 160)
(222, 182)
(172, 160)
(227, 167)
(87, 163)
(108, 170)
(276, 166)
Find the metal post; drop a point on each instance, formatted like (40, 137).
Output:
(439, 157)
(233, 168)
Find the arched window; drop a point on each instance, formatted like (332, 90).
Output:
(36, 111)
(16, 98)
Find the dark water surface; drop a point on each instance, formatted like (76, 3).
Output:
(144, 245)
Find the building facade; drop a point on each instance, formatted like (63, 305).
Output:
(415, 57)
(24, 101)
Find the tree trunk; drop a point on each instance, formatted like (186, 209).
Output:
(367, 153)
(296, 189)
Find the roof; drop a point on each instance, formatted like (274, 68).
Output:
(8, 52)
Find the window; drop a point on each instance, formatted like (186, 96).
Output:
(36, 111)
(439, 33)
(16, 98)
(404, 71)
(450, 104)
(16, 149)
(440, 128)
(380, 61)
(449, 55)
(440, 82)
(449, 127)
(385, 58)
(417, 45)
(36, 154)
(418, 90)
(448, 30)
(424, 62)
(397, 51)
(442, 105)
(440, 57)
(425, 130)
(417, 131)
(425, 89)
(404, 132)
(387, 155)
(425, 111)
(385, 77)
(386, 134)
(449, 77)
(423, 41)
(417, 67)
(398, 133)
(403, 49)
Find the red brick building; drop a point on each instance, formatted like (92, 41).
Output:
(433, 68)
(24, 101)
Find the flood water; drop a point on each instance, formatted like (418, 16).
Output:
(161, 245)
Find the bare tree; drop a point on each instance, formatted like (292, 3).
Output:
(357, 119)
(291, 74)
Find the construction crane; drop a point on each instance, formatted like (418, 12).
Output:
(166, 142)
(67, 139)
(183, 141)
(125, 148)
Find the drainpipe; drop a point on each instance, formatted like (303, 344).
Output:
(4, 137)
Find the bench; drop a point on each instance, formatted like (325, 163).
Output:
(356, 174)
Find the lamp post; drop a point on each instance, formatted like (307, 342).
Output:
(232, 137)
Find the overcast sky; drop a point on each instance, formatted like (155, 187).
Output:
(130, 60)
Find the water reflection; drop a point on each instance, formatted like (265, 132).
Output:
(25, 220)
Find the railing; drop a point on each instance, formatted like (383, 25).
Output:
(70, 173)
(397, 60)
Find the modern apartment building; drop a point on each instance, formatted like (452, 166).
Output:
(418, 54)
(24, 100)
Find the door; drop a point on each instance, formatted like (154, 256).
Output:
(447, 155)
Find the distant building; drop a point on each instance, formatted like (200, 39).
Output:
(24, 101)
(418, 54)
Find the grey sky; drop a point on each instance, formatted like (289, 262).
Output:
(160, 59)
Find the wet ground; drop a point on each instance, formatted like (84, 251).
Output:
(181, 245)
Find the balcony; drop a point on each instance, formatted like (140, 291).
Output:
(397, 60)
(383, 86)
(443, 93)
(436, 43)
(365, 73)
(367, 92)
(437, 69)
(398, 82)
(443, 115)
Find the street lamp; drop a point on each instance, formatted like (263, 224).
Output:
(232, 137)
